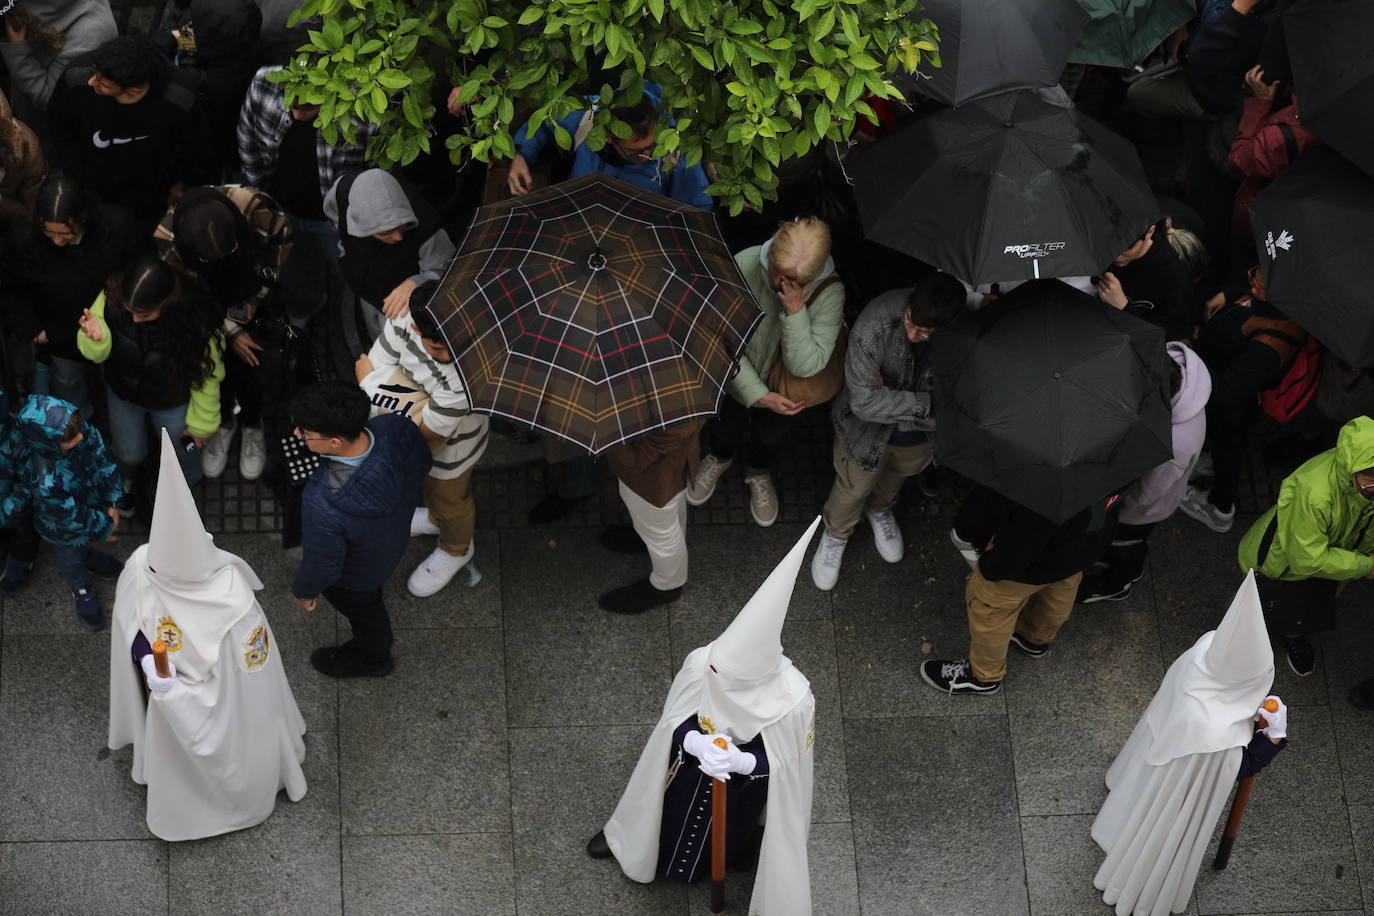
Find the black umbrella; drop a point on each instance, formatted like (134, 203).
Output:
(1314, 228)
(1051, 398)
(991, 46)
(1005, 188)
(1331, 47)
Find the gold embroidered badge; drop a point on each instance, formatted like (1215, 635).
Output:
(706, 724)
(256, 647)
(811, 730)
(169, 633)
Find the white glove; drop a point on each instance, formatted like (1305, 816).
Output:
(158, 685)
(1276, 722)
(712, 759)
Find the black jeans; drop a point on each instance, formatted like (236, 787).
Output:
(1236, 384)
(1299, 607)
(758, 430)
(366, 613)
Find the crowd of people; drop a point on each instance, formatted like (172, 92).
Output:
(172, 230)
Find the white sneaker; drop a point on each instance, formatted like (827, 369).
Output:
(1197, 506)
(763, 499)
(966, 550)
(420, 523)
(825, 562)
(709, 473)
(886, 535)
(215, 455)
(436, 571)
(252, 453)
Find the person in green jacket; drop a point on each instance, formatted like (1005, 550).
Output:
(163, 361)
(793, 278)
(1320, 534)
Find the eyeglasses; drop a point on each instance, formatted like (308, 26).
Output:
(305, 438)
(921, 333)
(634, 153)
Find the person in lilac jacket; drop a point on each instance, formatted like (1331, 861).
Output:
(1154, 497)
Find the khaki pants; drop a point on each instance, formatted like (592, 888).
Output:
(664, 532)
(854, 488)
(996, 609)
(453, 510)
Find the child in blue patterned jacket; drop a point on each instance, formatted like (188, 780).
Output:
(61, 486)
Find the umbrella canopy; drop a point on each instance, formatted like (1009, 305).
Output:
(1314, 228)
(1123, 32)
(595, 311)
(1331, 47)
(1005, 188)
(1051, 398)
(992, 46)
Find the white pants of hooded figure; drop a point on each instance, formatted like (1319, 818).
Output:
(664, 532)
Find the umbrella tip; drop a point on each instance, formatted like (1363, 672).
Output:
(597, 259)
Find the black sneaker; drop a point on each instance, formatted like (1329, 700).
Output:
(1302, 658)
(88, 609)
(1098, 592)
(347, 661)
(125, 505)
(637, 597)
(553, 507)
(955, 677)
(1033, 649)
(103, 566)
(597, 847)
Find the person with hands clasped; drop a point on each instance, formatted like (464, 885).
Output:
(163, 361)
(792, 276)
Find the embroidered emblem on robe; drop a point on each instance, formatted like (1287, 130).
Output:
(169, 633)
(256, 648)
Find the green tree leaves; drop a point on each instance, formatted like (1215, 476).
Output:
(750, 83)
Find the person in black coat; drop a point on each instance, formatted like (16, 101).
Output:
(76, 246)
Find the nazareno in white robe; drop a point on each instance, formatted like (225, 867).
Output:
(782, 885)
(217, 748)
(1171, 781)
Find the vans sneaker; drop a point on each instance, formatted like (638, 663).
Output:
(88, 609)
(955, 677)
(966, 550)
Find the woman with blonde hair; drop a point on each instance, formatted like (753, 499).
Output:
(793, 278)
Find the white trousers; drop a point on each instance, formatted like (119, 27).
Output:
(664, 532)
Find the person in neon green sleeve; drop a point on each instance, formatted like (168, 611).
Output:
(162, 358)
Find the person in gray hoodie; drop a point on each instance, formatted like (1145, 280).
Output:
(1154, 497)
(391, 240)
(42, 40)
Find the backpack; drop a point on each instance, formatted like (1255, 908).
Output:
(1286, 400)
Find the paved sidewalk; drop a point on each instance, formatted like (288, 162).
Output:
(468, 781)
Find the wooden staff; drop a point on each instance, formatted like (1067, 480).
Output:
(718, 840)
(160, 659)
(1243, 790)
(1228, 837)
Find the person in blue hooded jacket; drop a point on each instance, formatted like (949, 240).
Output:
(63, 489)
(355, 517)
(630, 159)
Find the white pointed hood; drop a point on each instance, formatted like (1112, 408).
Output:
(749, 683)
(1208, 698)
(189, 593)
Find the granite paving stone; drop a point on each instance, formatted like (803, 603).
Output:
(57, 879)
(563, 789)
(889, 617)
(750, 553)
(561, 645)
(61, 783)
(1071, 711)
(424, 750)
(458, 874)
(934, 813)
(1346, 652)
(287, 864)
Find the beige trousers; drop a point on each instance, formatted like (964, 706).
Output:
(997, 609)
(453, 509)
(854, 488)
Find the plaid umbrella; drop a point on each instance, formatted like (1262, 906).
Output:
(596, 311)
